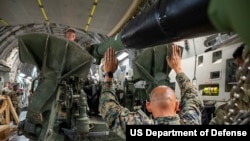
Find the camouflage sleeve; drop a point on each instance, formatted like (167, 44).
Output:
(115, 115)
(9, 94)
(220, 112)
(191, 103)
(4, 91)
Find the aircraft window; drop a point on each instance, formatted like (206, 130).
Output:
(200, 60)
(216, 56)
(215, 75)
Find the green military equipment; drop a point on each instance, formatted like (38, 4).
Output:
(98, 50)
(63, 66)
(151, 66)
(231, 16)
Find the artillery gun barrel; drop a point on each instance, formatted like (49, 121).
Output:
(164, 22)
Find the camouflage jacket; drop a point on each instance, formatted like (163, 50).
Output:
(117, 116)
(14, 96)
(6, 91)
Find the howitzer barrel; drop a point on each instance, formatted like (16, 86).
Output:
(164, 22)
(98, 50)
(167, 21)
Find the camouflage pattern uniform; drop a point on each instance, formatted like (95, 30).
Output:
(117, 116)
(6, 91)
(14, 96)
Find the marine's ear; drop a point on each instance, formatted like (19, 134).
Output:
(148, 106)
(177, 104)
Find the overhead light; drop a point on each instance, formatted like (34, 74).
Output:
(122, 56)
(29, 77)
(21, 74)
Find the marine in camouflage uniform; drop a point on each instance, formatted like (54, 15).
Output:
(117, 116)
(7, 89)
(14, 96)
